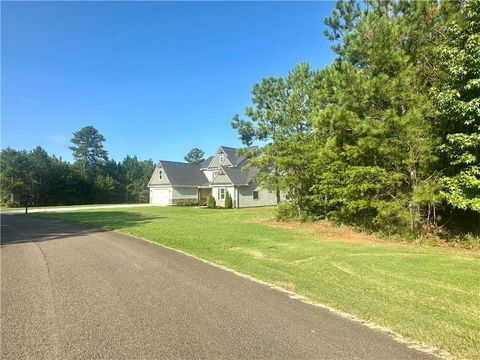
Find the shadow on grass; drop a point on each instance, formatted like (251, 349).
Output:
(16, 228)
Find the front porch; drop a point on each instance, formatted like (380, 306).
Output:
(203, 194)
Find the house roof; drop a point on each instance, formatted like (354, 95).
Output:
(240, 177)
(235, 159)
(206, 162)
(231, 153)
(184, 173)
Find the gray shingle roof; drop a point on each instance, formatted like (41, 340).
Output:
(180, 173)
(206, 162)
(235, 159)
(239, 176)
(184, 174)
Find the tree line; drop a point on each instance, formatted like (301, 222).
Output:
(387, 137)
(42, 179)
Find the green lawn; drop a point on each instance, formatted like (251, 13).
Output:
(430, 295)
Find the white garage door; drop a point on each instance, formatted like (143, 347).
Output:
(160, 196)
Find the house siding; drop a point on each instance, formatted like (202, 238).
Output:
(154, 180)
(265, 197)
(184, 193)
(222, 179)
(218, 201)
(208, 174)
(216, 160)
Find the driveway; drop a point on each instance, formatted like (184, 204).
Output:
(74, 292)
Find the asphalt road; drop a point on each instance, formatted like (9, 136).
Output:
(73, 292)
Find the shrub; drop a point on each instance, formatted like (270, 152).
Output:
(286, 211)
(187, 202)
(228, 200)
(211, 202)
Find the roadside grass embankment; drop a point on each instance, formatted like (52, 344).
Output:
(426, 294)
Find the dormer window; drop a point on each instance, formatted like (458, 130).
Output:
(160, 174)
(222, 158)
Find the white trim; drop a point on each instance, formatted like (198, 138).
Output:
(221, 163)
(159, 166)
(216, 175)
(214, 156)
(168, 198)
(219, 193)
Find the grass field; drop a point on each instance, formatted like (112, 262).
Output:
(429, 295)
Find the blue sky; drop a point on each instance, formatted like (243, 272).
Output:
(155, 78)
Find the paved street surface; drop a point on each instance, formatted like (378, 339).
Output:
(73, 292)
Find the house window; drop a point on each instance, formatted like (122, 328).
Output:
(160, 174)
(255, 195)
(221, 159)
(221, 193)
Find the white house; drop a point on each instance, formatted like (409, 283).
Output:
(223, 172)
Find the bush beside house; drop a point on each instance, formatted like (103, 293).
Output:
(211, 202)
(228, 200)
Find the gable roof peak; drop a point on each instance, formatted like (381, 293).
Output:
(234, 158)
(183, 173)
(227, 147)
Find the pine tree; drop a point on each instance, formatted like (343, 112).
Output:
(88, 150)
(195, 156)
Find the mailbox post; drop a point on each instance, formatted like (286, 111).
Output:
(25, 203)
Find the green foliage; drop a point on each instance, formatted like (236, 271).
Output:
(14, 176)
(286, 211)
(105, 188)
(211, 202)
(135, 175)
(187, 202)
(279, 118)
(46, 180)
(228, 200)
(366, 141)
(457, 100)
(38, 178)
(88, 150)
(195, 156)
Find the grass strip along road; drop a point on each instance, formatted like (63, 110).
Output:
(426, 294)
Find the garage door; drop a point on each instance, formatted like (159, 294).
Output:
(160, 196)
